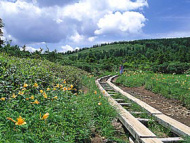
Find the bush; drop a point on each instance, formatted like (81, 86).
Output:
(174, 67)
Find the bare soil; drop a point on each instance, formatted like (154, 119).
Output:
(170, 107)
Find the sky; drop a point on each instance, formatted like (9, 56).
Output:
(72, 24)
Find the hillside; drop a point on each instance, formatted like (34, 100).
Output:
(41, 101)
(158, 55)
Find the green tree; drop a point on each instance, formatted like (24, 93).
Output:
(1, 32)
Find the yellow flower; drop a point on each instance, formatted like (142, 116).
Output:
(95, 92)
(99, 96)
(48, 89)
(32, 97)
(104, 92)
(64, 81)
(54, 88)
(57, 85)
(99, 103)
(8, 118)
(41, 91)
(27, 98)
(45, 116)
(25, 85)
(35, 102)
(36, 85)
(13, 96)
(2, 98)
(55, 97)
(65, 88)
(20, 121)
(71, 86)
(45, 95)
(20, 93)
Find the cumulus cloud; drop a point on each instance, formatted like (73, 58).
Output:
(28, 23)
(128, 22)
(71, 21)
(77, 37)
(91, 39)
(30, 49)
(126, 4)
(67, 48)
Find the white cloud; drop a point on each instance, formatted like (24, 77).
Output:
(69, 21)
(128, 22)
(59, 21)
(66, 48)
(30, 49)
(77, 48)
(91, 39)
(77, 37)
(126, 5)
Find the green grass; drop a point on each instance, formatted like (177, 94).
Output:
(168, 85)
(72, 114)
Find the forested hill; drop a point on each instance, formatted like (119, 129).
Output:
(163, 55)
(158, 55)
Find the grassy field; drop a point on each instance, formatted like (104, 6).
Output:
(168, 85)
(42, 102)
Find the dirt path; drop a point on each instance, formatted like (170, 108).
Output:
(170, 107)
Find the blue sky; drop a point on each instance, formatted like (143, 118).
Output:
(72, 24)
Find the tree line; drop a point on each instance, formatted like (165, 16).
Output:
(170, 55)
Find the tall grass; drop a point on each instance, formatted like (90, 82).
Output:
(51, 106)
(168, 85)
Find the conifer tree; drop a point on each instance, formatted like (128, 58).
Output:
(1, 32)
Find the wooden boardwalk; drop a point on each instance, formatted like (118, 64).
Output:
(137, 129)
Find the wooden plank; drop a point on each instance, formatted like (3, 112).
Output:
(177, 127)
(136, 128)
(163, 140)
(131, 140)
(147, 107)
(171, 139)
(151, 140)
(142, 120)
(137, 113)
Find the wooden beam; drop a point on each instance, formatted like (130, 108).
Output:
(150, 140)
(143, 120)
(131, 140)
(137, 113)
(175, 126)
(147, 107)
(136, 128)
(171, 139)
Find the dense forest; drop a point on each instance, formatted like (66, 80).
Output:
(158, 55)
